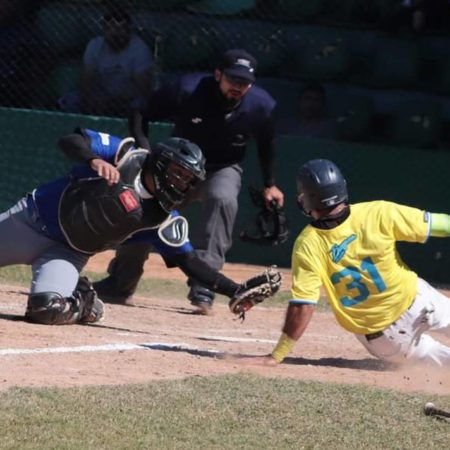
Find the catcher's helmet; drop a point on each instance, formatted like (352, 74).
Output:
(176, 166)
(320, 185)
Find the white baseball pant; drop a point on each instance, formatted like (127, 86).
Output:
(407, 338)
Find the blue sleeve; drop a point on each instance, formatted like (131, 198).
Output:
(103, 144)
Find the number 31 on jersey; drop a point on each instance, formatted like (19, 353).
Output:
(354, 273)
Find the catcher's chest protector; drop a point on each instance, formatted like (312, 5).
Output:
(95, 216)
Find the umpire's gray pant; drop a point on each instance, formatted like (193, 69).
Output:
(211, 239)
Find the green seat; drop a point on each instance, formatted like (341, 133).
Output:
(68, 29)
(285, 92)
(444, 77)
(179, 42)
(353, 117)
(157, 5)
(189, 48)
(153, 27)
(363, 12)
(395, 64)
(66, 76)
(63, 79)
(268, 46)
(416, 123)
(318, 53)
(297, 10)
(225, 7)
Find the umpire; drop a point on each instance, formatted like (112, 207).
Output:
(220, 113)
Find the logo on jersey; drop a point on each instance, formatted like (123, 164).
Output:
(128, 201)
(338, 250)
(196, 120)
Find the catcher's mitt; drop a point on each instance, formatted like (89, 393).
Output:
(255, 290)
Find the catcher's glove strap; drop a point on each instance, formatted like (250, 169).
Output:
(197, 269)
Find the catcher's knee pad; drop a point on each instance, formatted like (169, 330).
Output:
(50, 308)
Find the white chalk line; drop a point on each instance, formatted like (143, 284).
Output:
(233, 339)
(127, 346)
(105, 348)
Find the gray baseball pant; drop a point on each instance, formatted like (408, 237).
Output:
(55, 266)
(211, 239)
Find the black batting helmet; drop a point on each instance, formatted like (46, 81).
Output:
(320, 185)
(176, 166)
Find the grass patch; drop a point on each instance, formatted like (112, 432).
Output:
(226, 412)
(160, 288)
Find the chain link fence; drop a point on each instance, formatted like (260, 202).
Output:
(357, 48)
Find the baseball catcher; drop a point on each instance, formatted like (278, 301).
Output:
(115, 194)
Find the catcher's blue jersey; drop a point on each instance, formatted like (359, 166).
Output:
(46, 197)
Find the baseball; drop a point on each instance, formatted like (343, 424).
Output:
(428, 407)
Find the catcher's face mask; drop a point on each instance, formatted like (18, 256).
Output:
(180, 178)
(176, 165)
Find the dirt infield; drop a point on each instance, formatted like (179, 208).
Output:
(162, 339)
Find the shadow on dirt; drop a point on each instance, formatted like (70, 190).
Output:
(13, 317)
(343, 363)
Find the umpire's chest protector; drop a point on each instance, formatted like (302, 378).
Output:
(95, 216)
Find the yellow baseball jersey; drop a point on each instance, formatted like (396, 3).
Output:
(367, 283)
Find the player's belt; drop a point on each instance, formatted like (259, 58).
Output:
(377, 334)
(372, 336)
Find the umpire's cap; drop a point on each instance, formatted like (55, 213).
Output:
(238, 63)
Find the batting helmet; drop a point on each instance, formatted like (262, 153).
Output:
(320, 185)
(176, 166)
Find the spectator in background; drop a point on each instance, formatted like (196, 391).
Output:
(25, 58)
(415, 17)
(117, 70)
(311, 120)
(406, 18)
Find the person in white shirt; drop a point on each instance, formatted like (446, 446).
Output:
(117, 70)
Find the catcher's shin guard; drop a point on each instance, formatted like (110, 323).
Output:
(50, 308)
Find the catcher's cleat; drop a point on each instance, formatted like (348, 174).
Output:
(92, 308)
(96, 313)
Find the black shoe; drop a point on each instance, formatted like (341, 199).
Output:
(108, 294)
(202, 298)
